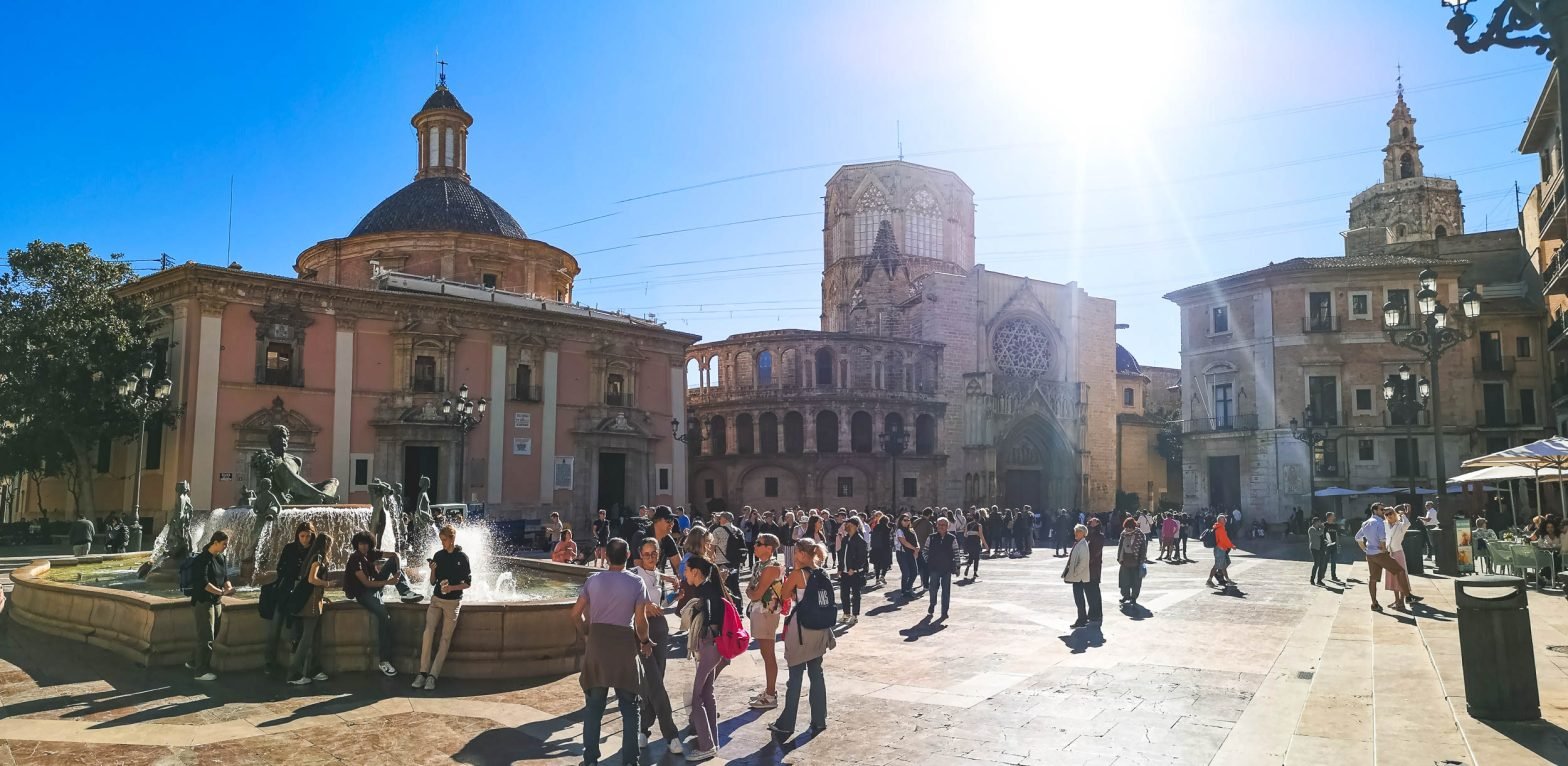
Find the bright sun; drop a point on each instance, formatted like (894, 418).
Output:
(1095, 77)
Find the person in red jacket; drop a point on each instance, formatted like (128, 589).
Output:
(1222, 549)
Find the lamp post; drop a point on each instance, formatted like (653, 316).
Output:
(1432, 336)
(145, 398)
(1407, 405)
(893, 444)
(693, 433)
(1311, 437)
(464, 413)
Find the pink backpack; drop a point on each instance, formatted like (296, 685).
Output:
(734, 639)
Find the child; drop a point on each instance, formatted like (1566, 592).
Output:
(565, 551)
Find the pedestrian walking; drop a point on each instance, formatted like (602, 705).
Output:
(974, 541)
(610, 610)
(924, 528)
(703, 620)
(1220, 541)
(307, 594)
(82, 533)
(1169, 528)
(881, 546)
(941, 550)
(1373, 539)
(808, 637)
(1130, 550)
(1332, 529)
(209, 584)
(1317, 545)
(1096, 541)
(452, 574)
(852, 563)
(1076, 573)
(1396, 521)
(654, 698)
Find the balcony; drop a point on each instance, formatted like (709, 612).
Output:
(1494, 366)
(1230, 423)
(1559, 391)
(1552, 218)
(618, 398)
(786, 393)
(1420, 420)
(1556, 329)
(1319, 324)
(1498, 419)
(525, 393)
(1554, 278)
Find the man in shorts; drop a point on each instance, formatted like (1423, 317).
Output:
(1373, 539)
(1222, 548)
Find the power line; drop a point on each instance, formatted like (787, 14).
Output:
(727, 223)
(574, 223)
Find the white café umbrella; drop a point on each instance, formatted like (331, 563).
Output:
(1335, 492)
(1546, 454)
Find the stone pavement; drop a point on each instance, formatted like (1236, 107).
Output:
(1280, 672)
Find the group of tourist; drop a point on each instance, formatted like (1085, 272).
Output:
(294, 594)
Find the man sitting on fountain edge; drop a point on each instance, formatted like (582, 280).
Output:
(363, 583)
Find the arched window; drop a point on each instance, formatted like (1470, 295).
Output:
(1404, 132)
(765, 369)
(745, 441)
(768, 429)
(925, 435)
(861, 373)
(794, 433)
(743, 371)
(712, 372)
(824, 367)
(893, 423)
(870, 212)
(1407, 166)
(923, 226)
(789, 368)
(859, 432)
(827, 431)
(717, 437)
(894, 377)
(1442, 231)
(693, 374)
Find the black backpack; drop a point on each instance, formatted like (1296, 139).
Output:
(188, 576)
(633, 529)
(1208, 537)
(734, 545)
(817, 609)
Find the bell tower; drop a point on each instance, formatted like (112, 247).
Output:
(1402, 156)
(1409, 205)
(442, 128)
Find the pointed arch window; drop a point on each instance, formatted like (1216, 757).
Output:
(923, 226)
(1407, 166)
(870, 212)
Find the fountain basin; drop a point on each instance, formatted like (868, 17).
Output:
(511, 639)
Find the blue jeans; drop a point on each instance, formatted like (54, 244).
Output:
(907, 570)
(940, 582)
(371, 600)
(593, 714)
(819, 697)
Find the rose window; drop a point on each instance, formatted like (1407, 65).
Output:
(1020, 347)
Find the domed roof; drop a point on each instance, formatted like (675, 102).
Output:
(441, 203)
(441, 99)
(1126, 363)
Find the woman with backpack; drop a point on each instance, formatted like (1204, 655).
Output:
(852, 563)
(808, 635)
(305, 603)
(703, 619)
(881, 546)
(767, 605)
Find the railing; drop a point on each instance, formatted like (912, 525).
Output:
(1329, 419)
(524, 393)
(1320, 324)
(1497, 419)
(1420, 419)
(618, 398)
(1551, 276)
(424, 385)
(1551, 205)
(1559, 390)
(710, 395)
(1226, 423)
(1504, 365)
(1555, 329)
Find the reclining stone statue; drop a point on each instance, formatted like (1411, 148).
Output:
(283, 469)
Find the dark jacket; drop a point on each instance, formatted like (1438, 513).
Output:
(1096, 540)
(942, 553)
(208, 569)
(289, 560)
(713, 602)
(854, 556)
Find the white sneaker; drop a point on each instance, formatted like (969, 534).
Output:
(642, 741)
(675, 745)
(208, 676)
(701, 755)
(419, 681)
(430, 683)
(301, 681)
(321, 676)
(386, 667)
(764, 701)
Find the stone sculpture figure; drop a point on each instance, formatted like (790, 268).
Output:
(277, 464)
(178, 545)
(421, 525)
(266, 504)
(380, 509)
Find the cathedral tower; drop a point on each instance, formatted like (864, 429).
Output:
(887, 226)
(1408, 205)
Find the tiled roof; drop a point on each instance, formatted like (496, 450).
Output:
(441, 99)
(442, 203)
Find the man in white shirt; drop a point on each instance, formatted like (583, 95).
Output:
(1429, 520)
(1373, 539)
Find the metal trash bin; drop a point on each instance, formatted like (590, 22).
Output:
(1495, 648)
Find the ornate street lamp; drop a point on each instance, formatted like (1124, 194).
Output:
(893, 444)
(1510, 17)
(146, 399)
(464, 413)
(1311, 437)
(693, 433)
(1433, 335)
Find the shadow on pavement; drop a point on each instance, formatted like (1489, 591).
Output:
(1541, 737)
(922, 629)
(509, 745)
(1081, 639)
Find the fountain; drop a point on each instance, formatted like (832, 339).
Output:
(516, 618)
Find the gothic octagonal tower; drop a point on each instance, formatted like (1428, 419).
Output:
(1408, 206)
(441, 226)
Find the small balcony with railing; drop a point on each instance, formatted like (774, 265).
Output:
(1559, 391)
(1554, 218)
(523, 392)
(618, 398)
(1554, 278)
(1494, 366)
(1221, 423)
(1320, 323)
(1555, 330)
(1498, 419)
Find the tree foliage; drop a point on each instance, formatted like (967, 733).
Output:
(67, 337)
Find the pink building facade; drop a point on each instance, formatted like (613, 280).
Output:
(438, 287)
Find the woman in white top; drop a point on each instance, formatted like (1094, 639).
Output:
(655, 701)
(1397, 525)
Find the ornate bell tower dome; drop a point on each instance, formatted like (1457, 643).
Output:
(441, 226)
(1408, 206)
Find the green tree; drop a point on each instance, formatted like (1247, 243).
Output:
(67, 336)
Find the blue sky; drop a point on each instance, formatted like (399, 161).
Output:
(1134, 154)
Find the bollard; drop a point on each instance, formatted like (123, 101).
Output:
(1495, 648)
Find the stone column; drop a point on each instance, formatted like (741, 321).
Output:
(677, 450)
(547, 415)
(497, 454)
(343, 403)
(204, 413)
